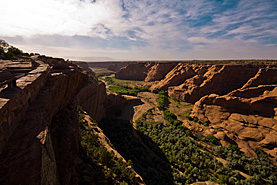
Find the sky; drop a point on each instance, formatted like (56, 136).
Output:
(105, 30)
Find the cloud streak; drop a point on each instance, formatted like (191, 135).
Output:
(167, 29)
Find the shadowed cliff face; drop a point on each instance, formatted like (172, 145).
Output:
(239, 100)
(96, 102)
(39, 125)
(29, 156)
(137, 71)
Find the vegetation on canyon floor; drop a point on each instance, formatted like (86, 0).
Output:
(191, 161)
(102, 166)
(123, 89)
(168, 152)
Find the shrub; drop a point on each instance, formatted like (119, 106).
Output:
(1, 50)
(169, 115)
(162, 100)
(12, 51)
(233, 148)
(171, 118)
(212, 139)
(102, 74)
(109, 80)
(93, 152)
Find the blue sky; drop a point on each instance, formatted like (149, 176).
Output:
(142, 29)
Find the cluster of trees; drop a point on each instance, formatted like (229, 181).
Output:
(196, 120)
(10, 52)
(169, 156)
(260, 168)
(162, 100)
(124, 89)
(98, 75)
(153, 167)
(163, 103)
(190, 164)
(105, 163)
(109, 80)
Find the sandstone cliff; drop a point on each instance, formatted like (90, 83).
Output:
(146, 71)
(239, 100)
(218, 79)
(136, 71)
(245, 116)
(38, 120)
(96, 102)
(158, 71)
(32, 153)
(176, 76)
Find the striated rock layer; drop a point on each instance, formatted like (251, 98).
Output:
(147, 71)
(136, 71)
(39, 124)
(218, 79)
(96, 102)
(238, 99)
(246, 116)
(29, 153)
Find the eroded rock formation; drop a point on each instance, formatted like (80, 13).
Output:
(38, 119)
(248, 116)
(136, 71)
(29, 155)
(218, 79)
(239, 100)
(147, 71)
(98, 104)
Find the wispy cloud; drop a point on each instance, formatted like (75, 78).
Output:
(143, 29)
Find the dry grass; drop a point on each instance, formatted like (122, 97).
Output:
(180, 108)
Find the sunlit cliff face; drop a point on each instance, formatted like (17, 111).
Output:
(146, 29)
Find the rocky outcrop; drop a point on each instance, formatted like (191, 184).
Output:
(84, 66)
(137, 71)
(14, 102)
(177, 76)
(116, 66)
(146, 71)
(39, 124)
(159, 70)
(64, 133)
(247, 117)
(265, 76)
(239, 100)
(219, 79)
(94, 99)
(29, 155)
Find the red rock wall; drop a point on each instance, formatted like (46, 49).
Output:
(29, 156)
(96, 102)
(159, 70)
(137, 71)
(219, 79)
(92, 99)
(16, 101)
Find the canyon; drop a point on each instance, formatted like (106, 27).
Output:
(237, 99)
(233, 101)
(39, 126)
